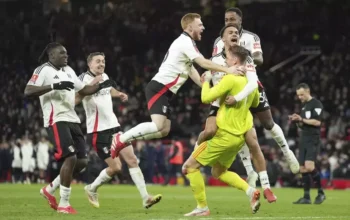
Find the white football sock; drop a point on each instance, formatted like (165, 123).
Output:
(151, 136)
(52, 187)
(244, 153)
(278, 136)
(264, 180)
(137, 177)
(139, 131)
(100, 180)
(250, 191)
(65, 194)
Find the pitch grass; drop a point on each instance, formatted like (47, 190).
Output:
(123, 202)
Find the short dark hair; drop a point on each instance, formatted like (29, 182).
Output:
(239, 52)
(227, 26)
(236, 10)
(44, 56)
(91, 55)
(303, 86)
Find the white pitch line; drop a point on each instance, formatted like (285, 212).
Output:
(263, 218)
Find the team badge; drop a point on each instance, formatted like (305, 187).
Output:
(105, 149)
(164, 108)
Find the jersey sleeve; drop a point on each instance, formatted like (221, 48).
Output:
(252, 80)
(191, 50)
(215, 46)
(317, 109)
(38, 77)
(211, 94)
(256, 46)
(78, 84)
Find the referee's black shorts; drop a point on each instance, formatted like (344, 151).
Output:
(309, 147)
(68, 140)
(101, 141)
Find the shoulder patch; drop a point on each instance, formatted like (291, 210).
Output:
(318, 110)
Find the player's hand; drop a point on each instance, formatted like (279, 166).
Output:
(240, 70)
(123, 97)
(107, 83)
(295, 117)
(206, 77)
(97, 79)
(230, 100)
(63, 85)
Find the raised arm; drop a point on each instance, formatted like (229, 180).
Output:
(211, 94)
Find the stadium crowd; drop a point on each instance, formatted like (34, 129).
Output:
(134, 35)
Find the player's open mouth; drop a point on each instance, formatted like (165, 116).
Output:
(234, 40)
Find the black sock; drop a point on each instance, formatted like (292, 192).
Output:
(315, 175)
(307, 183)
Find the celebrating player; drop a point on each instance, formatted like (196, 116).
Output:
(101, 124)
(251, 42)
(220, 151)
(173, 73)
(55, 83)
(229, 35)
(309, 121)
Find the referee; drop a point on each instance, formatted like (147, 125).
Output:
(309, 121)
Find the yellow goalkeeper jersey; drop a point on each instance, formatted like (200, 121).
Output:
(235, 119)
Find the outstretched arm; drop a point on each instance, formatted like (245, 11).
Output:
(211, 94)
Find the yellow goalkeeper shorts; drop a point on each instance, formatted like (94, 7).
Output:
(222, 148)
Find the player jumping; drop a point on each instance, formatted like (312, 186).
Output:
(177, 66)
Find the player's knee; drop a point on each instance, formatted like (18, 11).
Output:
(268, 124)
(132, 161)
(309, 168)
(165, 131)
(81, 164)
(115, 168)
(217, 171)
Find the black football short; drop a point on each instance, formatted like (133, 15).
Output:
(309, 147)
(213, 111)
(263, 101)
(158, 98)
(68, 140)
(101, 141)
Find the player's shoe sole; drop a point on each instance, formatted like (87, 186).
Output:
(154, 200)
(49, 198)
(91, 197)
(269, 196)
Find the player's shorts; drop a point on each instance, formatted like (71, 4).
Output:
(263, 101)
(213, 111)
(158, 98)
(101, 141)
(309, 147)
(222, 148)
(68, 140)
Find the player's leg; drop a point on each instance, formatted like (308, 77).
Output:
(263, 112)
(244, 154)
(158, 106)
(260, 164)
(136, 175)
(305, 175)
(210, 126)
(227, 156)
(190, 169)
(100, 142)
(60, 135)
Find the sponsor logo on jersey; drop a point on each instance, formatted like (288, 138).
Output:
(56, 77)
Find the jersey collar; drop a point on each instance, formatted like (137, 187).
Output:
(53, 66)
(241, 31)
(91, 73)
(187, 34)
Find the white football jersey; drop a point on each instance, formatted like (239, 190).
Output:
(98, 107)
(217, 76)
(247, 39)
(57, 105)
(177, 63)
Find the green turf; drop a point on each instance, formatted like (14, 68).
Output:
(123, 202)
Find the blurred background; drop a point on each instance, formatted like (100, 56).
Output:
(302, 41)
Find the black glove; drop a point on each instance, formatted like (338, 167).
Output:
(106, 84)
(63, 85)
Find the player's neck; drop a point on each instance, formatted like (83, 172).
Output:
(94, 73)
(308, 99)
(187, 33)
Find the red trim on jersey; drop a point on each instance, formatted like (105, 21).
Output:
(57, 155)
(51, 115)
(215, 51)
(161, 92)
(94, 132)
(260, 84)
